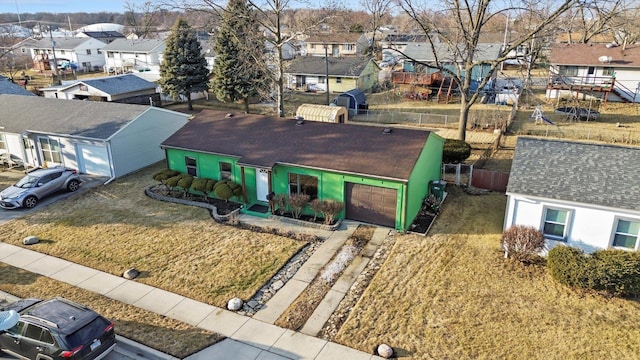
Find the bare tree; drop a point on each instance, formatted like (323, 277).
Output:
(379, 11)
(461, 39)
(592, 18)
(142, 19)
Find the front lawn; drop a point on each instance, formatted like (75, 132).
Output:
(451, 295)
(177, 248)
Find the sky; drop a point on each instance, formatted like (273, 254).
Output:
(61, 6)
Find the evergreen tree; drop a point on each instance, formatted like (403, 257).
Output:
(184, 68)
(240, 71)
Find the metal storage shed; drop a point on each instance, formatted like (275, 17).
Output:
(354, 100)
(324, 113)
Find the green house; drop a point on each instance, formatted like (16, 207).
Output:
(380, 174)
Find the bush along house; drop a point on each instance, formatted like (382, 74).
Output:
(381, 175)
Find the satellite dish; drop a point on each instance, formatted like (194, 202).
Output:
(8, 319)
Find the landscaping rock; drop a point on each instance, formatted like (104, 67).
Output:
(385, 351)
(131, 274)
(234, 304)
(30, 240)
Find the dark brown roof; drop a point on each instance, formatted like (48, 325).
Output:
(317, 65)
(589, 54)
(263, 141)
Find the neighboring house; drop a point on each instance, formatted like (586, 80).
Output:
(8, 87)
(289, 51)
(96, 138)
(603, 71)
(84, 53)
(418, 53)
(336, 44)
(382, 177)
(578, 194)
(104, 36)
(398, 42)
(139, 55)
(309, 73)
(127, 88)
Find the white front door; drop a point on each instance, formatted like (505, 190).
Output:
(262, 184)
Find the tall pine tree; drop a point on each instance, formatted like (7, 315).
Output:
(240, 71)
(184, 68)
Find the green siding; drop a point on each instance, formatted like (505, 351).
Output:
(331, 185)
(427, 168)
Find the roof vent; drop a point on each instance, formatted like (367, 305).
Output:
(299, 121)
(228, 115)
(611, 45)
(386, 131)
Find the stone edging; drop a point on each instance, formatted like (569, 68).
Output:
(212, 208)
(304, 223)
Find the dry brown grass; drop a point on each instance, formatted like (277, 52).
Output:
(451, 295)
(177, 248)
(157, 331)
(299, 311)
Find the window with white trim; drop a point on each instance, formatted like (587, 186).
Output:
(88, 51)
(50, 149)
(556, 223)
(225, 170)
(626, 234)
(191, 165)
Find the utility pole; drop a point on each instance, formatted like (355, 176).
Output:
(55, 60)
(326, 63)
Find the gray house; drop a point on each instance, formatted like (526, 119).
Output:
(96, 138)
(578, 194)
(128, 88)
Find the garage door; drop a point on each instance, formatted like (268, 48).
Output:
(93, 160)
(371, 204)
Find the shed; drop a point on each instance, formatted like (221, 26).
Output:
(324, 113)
(354, 100)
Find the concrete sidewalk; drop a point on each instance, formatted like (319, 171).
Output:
(248, 338)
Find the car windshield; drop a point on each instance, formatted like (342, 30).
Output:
(27, 182)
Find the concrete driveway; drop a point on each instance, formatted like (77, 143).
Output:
(88, 182)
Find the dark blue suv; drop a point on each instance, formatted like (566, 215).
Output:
(57, 329)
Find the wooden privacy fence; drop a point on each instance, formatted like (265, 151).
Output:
(490, 180)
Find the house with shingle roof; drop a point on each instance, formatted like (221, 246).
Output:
(97, 138)
(609, 72)
(578, 194)
(139, 55)
(336, 44)
(128, 88)
(309, 73)
(85, 52)
(353, 164)
(9, 87)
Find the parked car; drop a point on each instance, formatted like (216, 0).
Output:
(38, 184)
(57, 329)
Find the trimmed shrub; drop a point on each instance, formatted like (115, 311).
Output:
(164, 175)
(172, 182)
(567, 265)
(522, 243)
(316, 207)
(455, 151)
(297, 203)
(280, 201)
(331, 208)
(199, 185)
(615, 272)
(226, 189)
(185, 182)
